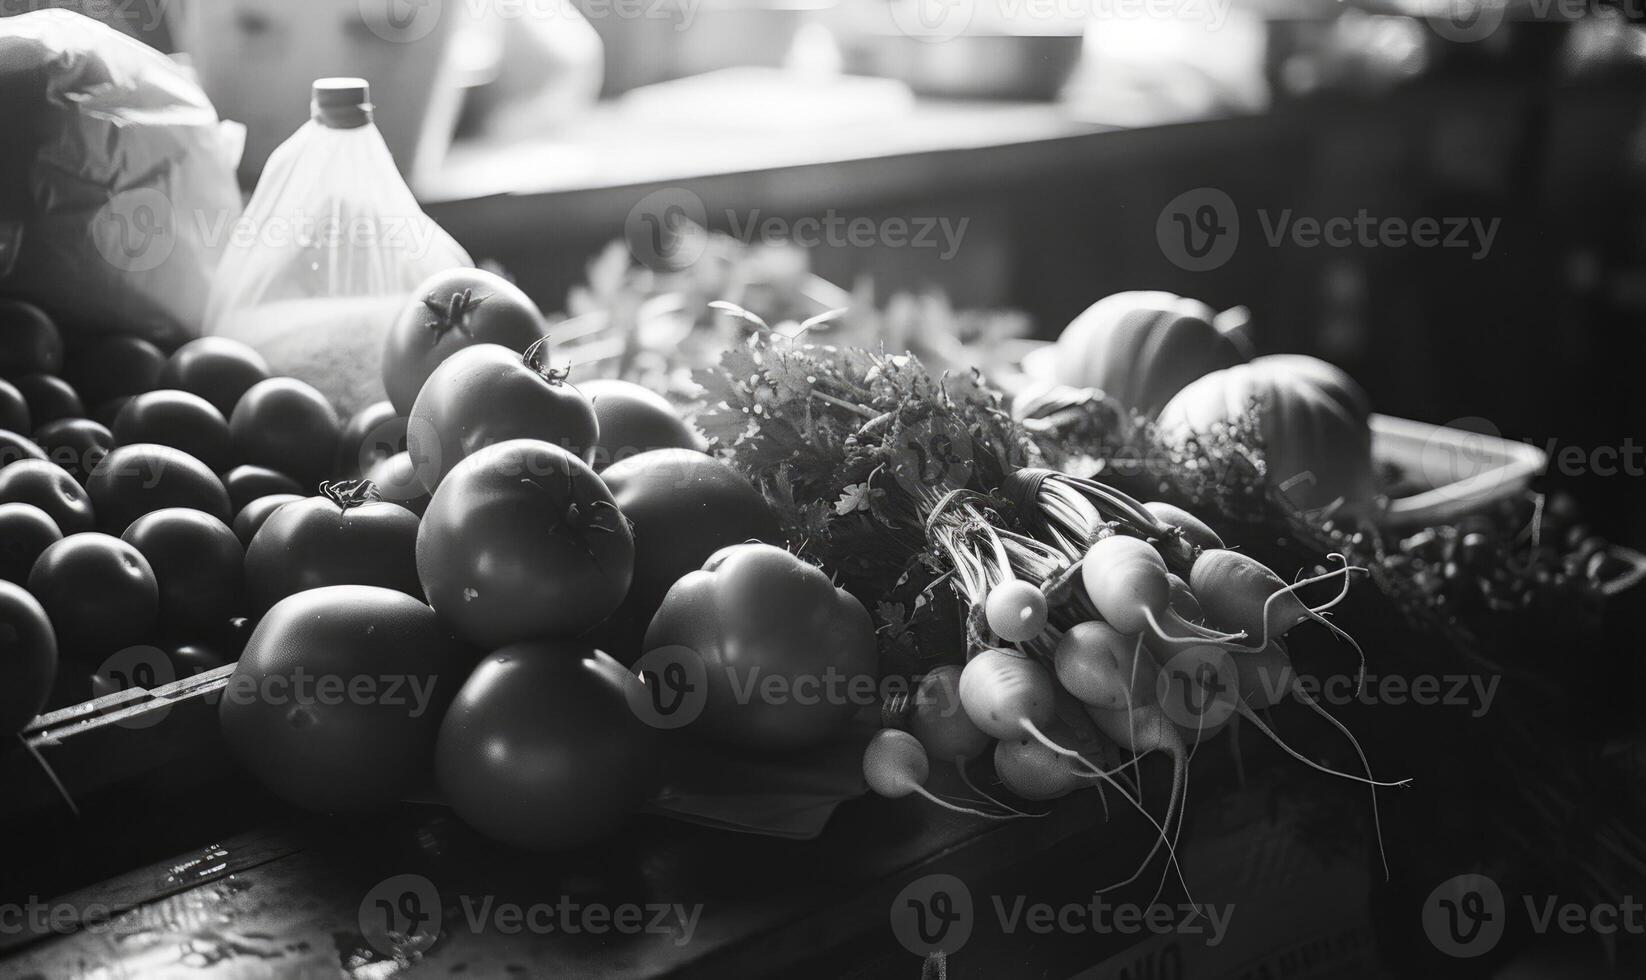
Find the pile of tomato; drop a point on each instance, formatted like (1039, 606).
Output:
(449, 590)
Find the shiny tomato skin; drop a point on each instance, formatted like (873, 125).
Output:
(543, 748)
(75, 444)
(523, 541)
(100, 593)
(28, 658)
(451, 311)
(104, 368)
(14, 409)
(634, 420)
(372, 434)
(252, 516)
(318, 542)
(50, 488)
(198, 565)
(50, 398)
(288, 426)
(247, 483)
(487, 394)
(685, 506)
(135, 480)
(217, 369)
(25, 532)
(177, 419)
(393, 669)
(757, 615)
(29, 341)
(397, 482)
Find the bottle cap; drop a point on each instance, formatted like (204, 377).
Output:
(341, 103)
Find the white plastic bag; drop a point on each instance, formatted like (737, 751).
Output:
(331, 246)
(116, 179)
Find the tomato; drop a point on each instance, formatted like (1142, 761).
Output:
(634, 420)
(135, 480)
(198, 564)
(451, 311)
(339, 694)
(179, 420)
(523, 541)
(251, 518)
(685, 506)
(488, 394)
(788, 657)
(14, 409)
(372, 434)
(99, 592)
(50, 398)
(114, 366)
(28, 658)
(50, 488)
(14, 447)
(217, 369)
(246, 483)
(344, 537)
(397, 482)
(29, 341)
(25, 531)
(543, 749)
(77, 445)
(288, 426)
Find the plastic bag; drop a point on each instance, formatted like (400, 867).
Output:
(116, 179)
(332, 244)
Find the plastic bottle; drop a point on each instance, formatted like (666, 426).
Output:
(331, 245)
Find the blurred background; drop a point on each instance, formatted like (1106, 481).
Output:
(1040, 144)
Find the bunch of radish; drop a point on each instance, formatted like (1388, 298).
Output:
(1102, 630)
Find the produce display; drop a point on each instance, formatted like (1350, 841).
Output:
(814, 539)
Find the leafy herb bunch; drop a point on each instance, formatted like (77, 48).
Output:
(855, 449)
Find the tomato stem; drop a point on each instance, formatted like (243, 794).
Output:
(535, 358)
(350, 493)
(454, 314)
